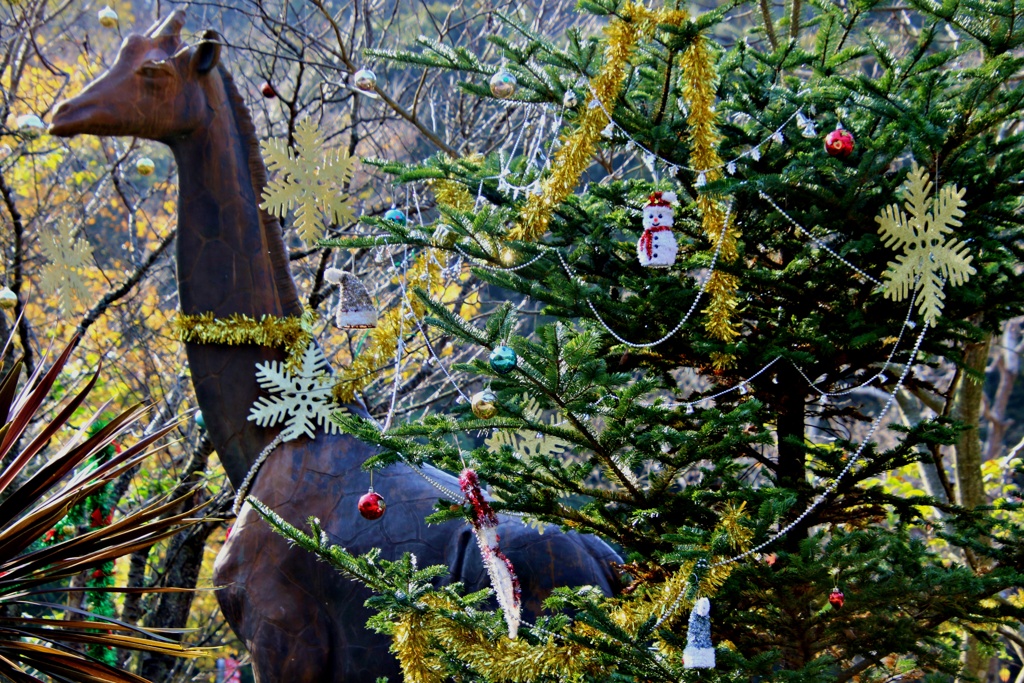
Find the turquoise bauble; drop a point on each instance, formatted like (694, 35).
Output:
(396, 215)
(503, 359)
(200, 420)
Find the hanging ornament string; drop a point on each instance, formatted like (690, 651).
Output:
(448, 493)
(535, 150)
(400, 346)
(817, 241)
(907, 324)
(650, 157)
(383, 342)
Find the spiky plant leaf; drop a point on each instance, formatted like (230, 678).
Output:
(36, 648)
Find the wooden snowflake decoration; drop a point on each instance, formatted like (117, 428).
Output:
(300, 401)
(67, 259)
(311, 179)
(930, 257)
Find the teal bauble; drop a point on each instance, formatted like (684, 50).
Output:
(396, 215)
(503, 359)
(200, 420)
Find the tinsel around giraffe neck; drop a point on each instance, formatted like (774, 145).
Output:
(292, 334)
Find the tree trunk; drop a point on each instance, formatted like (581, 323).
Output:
(910, 412)
(184, 561)
(970, 487)
(791, 472)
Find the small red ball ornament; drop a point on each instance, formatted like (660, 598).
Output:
(268, 90)
(839, 143)
(836, 598)
(371, 505)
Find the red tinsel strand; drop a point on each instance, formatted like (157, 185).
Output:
(517, 588)
(484, 517)
(483, 513)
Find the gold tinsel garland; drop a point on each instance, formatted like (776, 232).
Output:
(452, 194)
(425, 273)
(291, 333)
(699, 93)
(421, 638)
(578, 148)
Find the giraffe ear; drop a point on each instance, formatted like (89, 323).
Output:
(207, 52)
(171, 26)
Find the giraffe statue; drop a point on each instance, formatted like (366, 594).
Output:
(301, 621)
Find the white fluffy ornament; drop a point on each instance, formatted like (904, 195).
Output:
(657, 246)
(699, 652)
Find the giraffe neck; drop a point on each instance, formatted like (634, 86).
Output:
(230, 259)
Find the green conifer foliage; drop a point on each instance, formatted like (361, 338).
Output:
(656, 469)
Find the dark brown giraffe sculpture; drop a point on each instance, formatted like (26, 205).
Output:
(301, 621)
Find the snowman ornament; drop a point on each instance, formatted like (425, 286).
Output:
(657, 246)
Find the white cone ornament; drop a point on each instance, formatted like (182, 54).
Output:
(657, 246)
(699, 652)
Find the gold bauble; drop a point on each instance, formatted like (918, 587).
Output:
(484, 404)
(145, 166)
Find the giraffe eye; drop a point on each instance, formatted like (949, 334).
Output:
(152, 69)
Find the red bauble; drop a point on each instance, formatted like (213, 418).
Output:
(836, 598)
(371, 505)
(839, 143)
(268, 90)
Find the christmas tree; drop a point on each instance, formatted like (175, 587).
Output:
(750, 240)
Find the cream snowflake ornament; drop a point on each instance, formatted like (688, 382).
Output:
(300, 401)
(311, 178)
(529, 444)
(68, 257)
(930, 257)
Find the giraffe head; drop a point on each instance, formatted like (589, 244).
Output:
(154, 89)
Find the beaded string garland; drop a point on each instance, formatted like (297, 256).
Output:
(638, 22)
